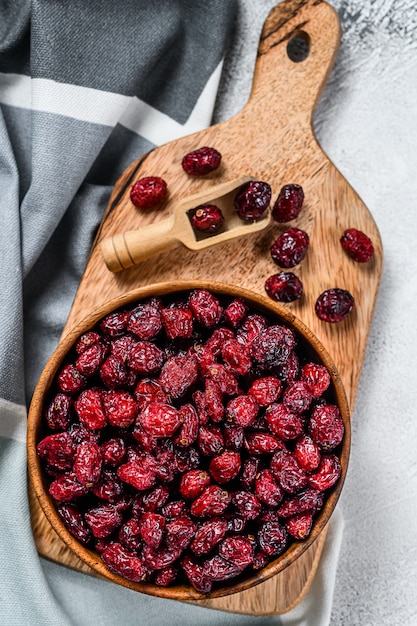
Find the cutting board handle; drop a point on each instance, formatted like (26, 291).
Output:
(283, 73)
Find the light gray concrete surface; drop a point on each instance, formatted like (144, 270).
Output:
(366, 122)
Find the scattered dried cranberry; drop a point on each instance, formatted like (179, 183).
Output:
(317, 378)
(207, 218)
(299, 526)
(87, 463)
(208, 535)
(327, 473)
(225, 466)
(213, 501)
(290, 248)
(123, 562)
(288, 203)
(193, 484)
(178, 323)
(252, 200)
(326, 426)
(333, 305)
(272, 346)
(205, 307)
(201, 161)
(284, 287)
(357, 245)
(148, 192)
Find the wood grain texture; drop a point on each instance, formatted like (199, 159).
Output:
(271, 139)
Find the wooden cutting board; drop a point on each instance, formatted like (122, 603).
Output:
(271, 139)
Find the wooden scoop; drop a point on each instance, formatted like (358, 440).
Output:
(130, 248)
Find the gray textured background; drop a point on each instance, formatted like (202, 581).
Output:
(366, 122)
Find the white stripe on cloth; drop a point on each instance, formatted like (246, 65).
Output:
(13, 420)
(107, 108)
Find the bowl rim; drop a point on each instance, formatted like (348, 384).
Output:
(64, 346)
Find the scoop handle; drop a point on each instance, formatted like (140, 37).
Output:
(134, 246)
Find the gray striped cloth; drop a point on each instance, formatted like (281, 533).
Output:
(86, 87)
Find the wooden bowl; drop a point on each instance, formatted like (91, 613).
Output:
(36, 431)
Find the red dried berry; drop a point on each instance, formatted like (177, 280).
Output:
(90, 410)
(178, 323)
(208, 535)
(237, 550)
(148, 390)
(156, 498)
(70, 380)
(120, 408)
(326, 426)
(287, 471)
(307, 453)
(207, 218)
(103, 520)
(120, 347)
(193, 483)
(66, 488)
(272, 346)
(205, 307)
(108, 487)
(218, 569)
(114, 324)
(308, 499)
(74, 522)
(242, 410)
(317, 378)
(251, 326)
(196, 575)
(145, 321)
(235, 312)
(148, 192)
(113, 372)
(58, 412)
(333, 305)
(159, 558)
(357, 245)
(224, 378)
(249, 472)
(86, 341)
(160, 420)
(178, 375)
(188, 431)
(87, 463)
(297, 396)
(57, 450)
(145, 358)
(327, 473)
(151, 528)
(210, 440)
(213, 400)
(135, 474)
(282, 422)
(290, 248)
(284, 287)
(299, 526)
(129, 535)
(262, 443)
(165, 576)
(247, 504)
(201, 161)
(91, 358)
(252, 200)
(174, 509)
(289, 203)
(272, 538)
(267, 490)
(113, 451)
(265, 390)
(235, 356)
(225, 467)
(179, 532)
(123, 562)
(212, 502)
(234, 436)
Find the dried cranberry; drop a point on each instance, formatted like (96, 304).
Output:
(148, 192)
(224, 378)
(148, 390)
(284, 287)
(161, 557)
(225, 466)
(113, 451)
(135, 474)
(58, 412)
(327, 473)
(326, 426)
(317, 378)
(299, 526)
(207, 218)
(66, 488)
(196, 575)
(120, 408)
(87, 463)
(272, 538)
(242, 410)
(288, 203)
(265, 390)
(333, 305)
(267, 490)
(218, 569)
(201, 161)
(213, 400)
(165, 576)
(308, 499)
(252, 200)
(237, 550)
(57, 450)
(307, 453)
(188, 431)
(74, 522)
(178, 374)
(178, 323)
(251, 326)
(235, 312)
(284, 423)
(208, 535)
(357, 245)
(234, 436)
(210, 440)
(151, 528)
(297, 396)
(290, 248)
(113, 372)
(287, 471)
(123, 562)
(272, 346)
(249, 472)
(247, 504)
(179, 532)
(236, 358)
(145, 358)
(129, 534)
(70, 379)
(108, 487)
(155, 498)
(193, 483)
(205, 307)
(262, 443)
(86, 341)
(213, 501)
(114, 324)
(91, 358)
(160, 420)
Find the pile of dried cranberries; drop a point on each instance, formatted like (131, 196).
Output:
(190, 438)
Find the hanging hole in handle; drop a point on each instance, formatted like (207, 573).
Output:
(298, 47)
